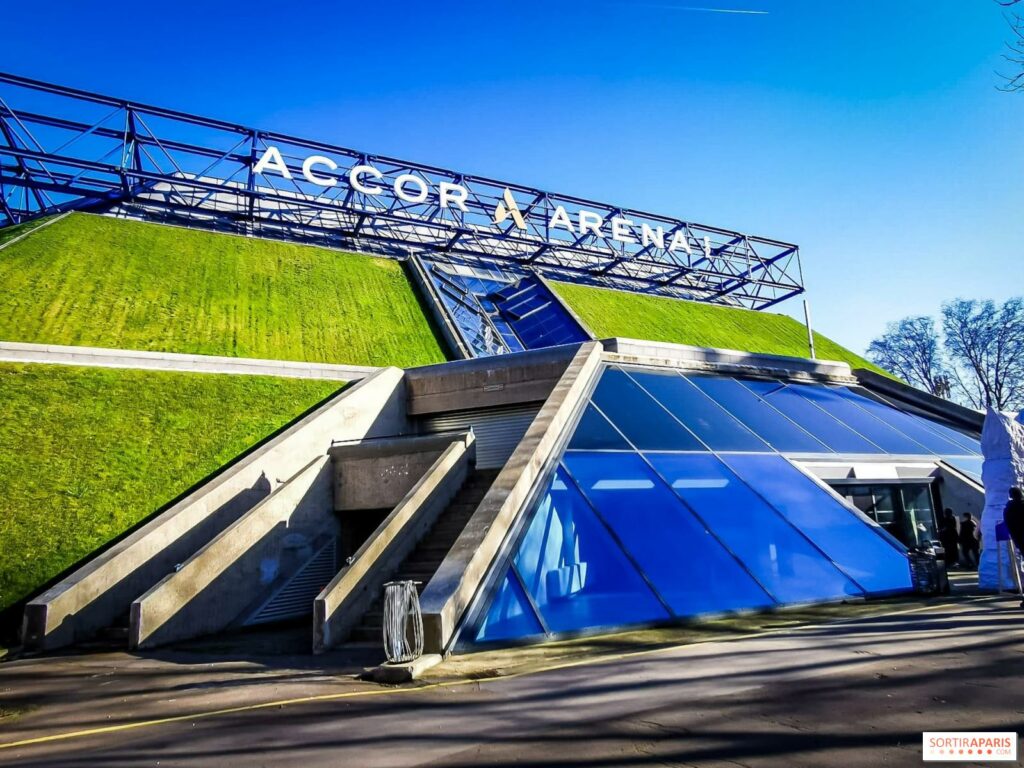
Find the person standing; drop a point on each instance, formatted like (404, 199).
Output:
(949, 537)
(969, 540)
(1013, 516)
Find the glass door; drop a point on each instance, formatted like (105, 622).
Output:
(904, 510)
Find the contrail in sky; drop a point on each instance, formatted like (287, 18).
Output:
(708, 10)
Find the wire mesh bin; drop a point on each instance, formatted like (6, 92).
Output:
(403, 622)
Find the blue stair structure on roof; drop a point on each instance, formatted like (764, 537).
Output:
(497, 313)
(681, 494)
(536, 316)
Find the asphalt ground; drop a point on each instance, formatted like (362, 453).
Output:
(853, 692)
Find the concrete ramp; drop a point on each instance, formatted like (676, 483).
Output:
(98, 593)
(244, 566)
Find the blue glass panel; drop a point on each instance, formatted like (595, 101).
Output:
(538, 319)
(828, 430)
(852, 541)
(692, 572)
(778, 431)
(911, 426)
(509, 615)
(967, 443)
(970, 465)
(702, 415)
(573, 569)
(782, 560)
(886, 437)
(639, 417)
(595, 433)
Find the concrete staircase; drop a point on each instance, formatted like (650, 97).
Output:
(424, 561)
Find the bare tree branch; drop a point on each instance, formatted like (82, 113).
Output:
(1015, 79)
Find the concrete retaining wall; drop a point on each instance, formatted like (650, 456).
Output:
(452, 588)
(487, 382)
(377, 474)
(240, 565)
(95, 595)
(342, 604)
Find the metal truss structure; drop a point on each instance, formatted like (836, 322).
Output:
(67, 149)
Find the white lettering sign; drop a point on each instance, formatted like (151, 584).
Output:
(411, 188)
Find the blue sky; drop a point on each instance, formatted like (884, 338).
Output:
(871, 132)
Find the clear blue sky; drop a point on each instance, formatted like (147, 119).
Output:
(870, 132)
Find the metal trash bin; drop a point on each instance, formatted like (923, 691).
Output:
(928, 569)
(403, 622)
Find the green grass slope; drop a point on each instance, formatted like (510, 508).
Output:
(86, 453)
(657, 318)
(97, 281)
(17, 230)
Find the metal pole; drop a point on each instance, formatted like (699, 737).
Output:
(1015, 565)
(810, 332)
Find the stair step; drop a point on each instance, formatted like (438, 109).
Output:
(366, 634)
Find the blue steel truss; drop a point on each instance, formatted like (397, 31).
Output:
(66, 149)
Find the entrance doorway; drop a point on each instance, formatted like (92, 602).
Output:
(904, 510)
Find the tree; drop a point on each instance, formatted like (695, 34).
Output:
(1015, 54)
(912, 349)
(977, 359)
(985, 346)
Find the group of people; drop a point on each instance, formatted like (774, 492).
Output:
(962, 542)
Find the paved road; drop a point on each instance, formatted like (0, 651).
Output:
(857, 693)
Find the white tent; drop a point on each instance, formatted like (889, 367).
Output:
(1002, 443)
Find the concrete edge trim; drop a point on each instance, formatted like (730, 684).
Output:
(34, 229)
(392, 540)
(726, 369)
(929, 403)
(45, 613)
(451, 590)
(212, 559)
(101, 357)
(714, 355)
(945, 466)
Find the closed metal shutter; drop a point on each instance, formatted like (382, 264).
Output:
(498, 430)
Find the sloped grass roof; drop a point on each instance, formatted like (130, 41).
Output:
(610, 313)
(98, 281)
(88, 453)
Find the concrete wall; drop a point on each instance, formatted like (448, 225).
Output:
(524, 377)
(95, 595)
(241, 565)
(658, 353)
(377, 474)
(343, 602)
(959, 492)
(452, 588)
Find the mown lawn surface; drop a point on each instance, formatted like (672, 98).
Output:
(657, 318)
(86, 453)
(97, 281)
(9, 233)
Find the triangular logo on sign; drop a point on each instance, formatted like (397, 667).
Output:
(506, 208)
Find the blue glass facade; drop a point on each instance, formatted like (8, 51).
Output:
(676, 497)
(500, 313)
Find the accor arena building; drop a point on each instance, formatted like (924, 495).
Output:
(555, 475)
